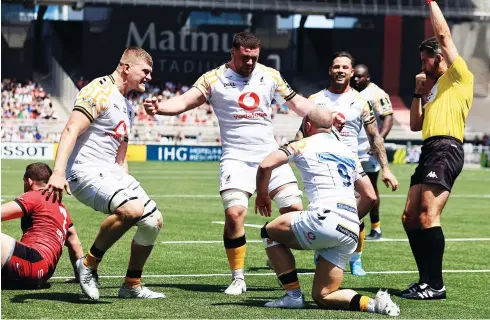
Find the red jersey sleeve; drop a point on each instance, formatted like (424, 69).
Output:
(29, 201)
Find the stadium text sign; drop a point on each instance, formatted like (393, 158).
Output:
(41, 151)
(186, 51)
(182, 40)
(183, 153)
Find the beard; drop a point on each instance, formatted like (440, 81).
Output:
(434, 73)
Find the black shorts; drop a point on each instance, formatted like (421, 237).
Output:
(441, 162)
(25, 269)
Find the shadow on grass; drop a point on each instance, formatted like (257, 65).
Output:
(269, 270)
(258, 302)
(392, 291)
(198, 287)
(55, 296)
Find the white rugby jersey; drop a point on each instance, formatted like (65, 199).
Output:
(111, 116)
(243, 108)
(356, 110)
(328, 169)
(381, 107)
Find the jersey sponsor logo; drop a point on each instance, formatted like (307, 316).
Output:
(343, 206)
(344, 230)
(311, 236)
(120, 131)
(249, 101)
(229, 85)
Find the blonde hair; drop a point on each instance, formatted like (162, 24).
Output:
(132, 54)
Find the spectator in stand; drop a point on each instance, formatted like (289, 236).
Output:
(25, 100)
(486, 140)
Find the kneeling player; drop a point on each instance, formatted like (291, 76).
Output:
(46, 227)
(330, 225)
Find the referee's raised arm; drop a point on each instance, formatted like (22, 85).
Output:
(442, 33)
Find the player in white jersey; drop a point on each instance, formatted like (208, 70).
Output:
(383, 111)
(91, 161)
(241, 92)
(330, 172)
(340, 98)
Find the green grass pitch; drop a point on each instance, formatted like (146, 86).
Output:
(194, 275)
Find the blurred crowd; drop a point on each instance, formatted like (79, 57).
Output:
(25, 100)
(483, 141)
(29, 104)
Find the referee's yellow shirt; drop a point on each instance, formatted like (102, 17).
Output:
(449, 102)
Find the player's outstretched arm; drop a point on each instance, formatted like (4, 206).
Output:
(191, 99)
(386, 125)
(272, 161)
(76, 125)
(74, 246)
(11, 210)
(377, 143)
(300, 105)
(367, 197)
(442, 33)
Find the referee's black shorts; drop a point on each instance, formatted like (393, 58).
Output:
(441, 162)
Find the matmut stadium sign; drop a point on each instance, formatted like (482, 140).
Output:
(180, 53)
(184, 51)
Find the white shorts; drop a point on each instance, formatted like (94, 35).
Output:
(96, 188)
(241, 175)
(331, 235)
(370, 164)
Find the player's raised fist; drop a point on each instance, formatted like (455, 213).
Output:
(420, 82)
(338, 121)
(151, 106)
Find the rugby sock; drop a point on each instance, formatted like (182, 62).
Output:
(235, 251)
(133, 279)
(360, 245)
(417, 244)
(93, 257)
(434, 246)
(290, 283)
(374, 216)
(362, 303)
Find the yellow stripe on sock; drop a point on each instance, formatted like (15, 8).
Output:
(376, 225)
(360, 244)
(291, 286)
(236, 257)
(364, 303)
(91, 261)
(131, 283)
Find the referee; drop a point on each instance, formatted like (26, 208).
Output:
(442, 121)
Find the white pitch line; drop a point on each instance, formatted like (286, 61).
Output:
(207, 275)
(258, 226)
(260, 241)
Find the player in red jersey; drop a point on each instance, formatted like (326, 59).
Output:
(46, 227)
